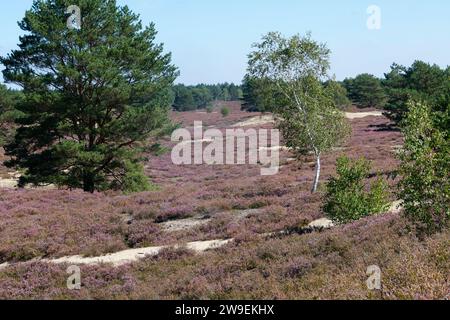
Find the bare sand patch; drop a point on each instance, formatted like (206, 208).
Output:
(12, 183)
(360, 115)
(275, 148)
(256, 121)
(132, 255)
(190, 223)
(184, 224)
(8, 183)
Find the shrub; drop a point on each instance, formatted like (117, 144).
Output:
(225, 111)
(209, 109)
(420, 82)
(425, 163)
(339, 94)
(346, 197)
(366, 91)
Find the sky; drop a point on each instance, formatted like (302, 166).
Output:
(210, 39)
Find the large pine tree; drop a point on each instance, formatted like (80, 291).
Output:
(93, 94)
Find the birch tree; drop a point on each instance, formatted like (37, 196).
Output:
(307, 116)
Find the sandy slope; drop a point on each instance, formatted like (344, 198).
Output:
(267, 119)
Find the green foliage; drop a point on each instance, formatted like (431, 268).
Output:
(187, 98)
(91, 96)
(258, 95)
(366, 91)
(425, 171)
(294, 68)
(210, 108)
(134, 179)
(225, 111)
(420, 82)
(158, 149)
(9, 99)
(318, 126)
(346, 198)
(183, 99)
(338, 93)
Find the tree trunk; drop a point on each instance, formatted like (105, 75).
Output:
(317, 177)
(88, 183)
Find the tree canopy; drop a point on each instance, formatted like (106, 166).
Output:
(365, 91)
(93, 96)
(187, 98)
(419, 82)
(9, 100)
(425, 170)
(258, 95)
(339, 94)
(295, 68)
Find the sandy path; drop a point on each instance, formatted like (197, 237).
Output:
(268, 119)
(129, 256)
(8, 183)
(255, 121)
(360, 115)
(132, 255)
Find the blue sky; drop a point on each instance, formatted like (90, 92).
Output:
(210, 39)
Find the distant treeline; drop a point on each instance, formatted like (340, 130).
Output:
(420, 82)
(259, 95)
(187, 98)
(8, 112)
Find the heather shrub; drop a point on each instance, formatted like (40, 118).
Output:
(346, 197)
(170, 211)
(173, 253)
(225, 111)
(298, 267)
(141, 233)
(425, 171)
(329, 265)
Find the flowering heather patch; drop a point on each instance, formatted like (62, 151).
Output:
(327, 265)
(55, 223)
(42, 223)
(213, 119)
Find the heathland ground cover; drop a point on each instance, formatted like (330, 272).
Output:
(236, 202)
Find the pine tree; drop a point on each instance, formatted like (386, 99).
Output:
(419, 82)
(8, 112)
(93, 95)
(366, 91)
